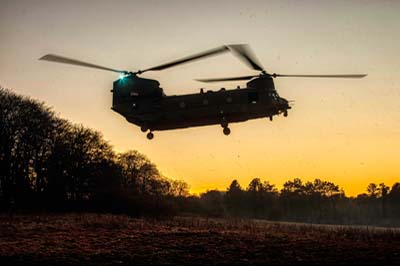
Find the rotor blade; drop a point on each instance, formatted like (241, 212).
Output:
(228, 79)
(354, 76)
(244, 52)
(65, 60)
(215, 51)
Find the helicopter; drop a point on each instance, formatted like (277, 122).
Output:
(143, 102)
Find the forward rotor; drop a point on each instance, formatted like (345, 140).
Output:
(198, 56)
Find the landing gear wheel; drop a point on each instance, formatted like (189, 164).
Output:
(270, 118)
(285, 113)
(227, 131)
(150, 135)
(143, 128)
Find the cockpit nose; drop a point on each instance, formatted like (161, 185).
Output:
(283, 102)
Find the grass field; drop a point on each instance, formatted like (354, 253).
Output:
(100, 239)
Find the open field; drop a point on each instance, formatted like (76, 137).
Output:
(98, 239)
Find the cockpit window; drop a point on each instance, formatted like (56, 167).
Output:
(273, 95)
(253, 97)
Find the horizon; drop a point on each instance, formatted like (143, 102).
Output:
(343, 131)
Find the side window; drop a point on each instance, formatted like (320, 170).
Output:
(253, 97)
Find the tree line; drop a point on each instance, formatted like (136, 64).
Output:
(318, 201)
(50, 164)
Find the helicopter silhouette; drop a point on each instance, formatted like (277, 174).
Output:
(143, 102)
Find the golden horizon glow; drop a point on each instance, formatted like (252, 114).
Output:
(340, 130)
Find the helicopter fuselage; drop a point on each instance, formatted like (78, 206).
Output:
(143, 103)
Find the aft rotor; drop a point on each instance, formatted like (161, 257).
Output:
(244, 53)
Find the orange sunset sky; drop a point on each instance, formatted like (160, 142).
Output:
(345, 131)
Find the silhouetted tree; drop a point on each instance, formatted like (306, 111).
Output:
(322, 197)
(139, 175)
(212, 203)
(178, 188)
(394, 200)
(86, 152)
(234, 198)
(26, 141)
(293, 198)
(383, 193)
(373, 190)
(260, 197)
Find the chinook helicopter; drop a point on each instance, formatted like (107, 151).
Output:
(143, 102)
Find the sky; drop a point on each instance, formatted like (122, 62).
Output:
(342, 130)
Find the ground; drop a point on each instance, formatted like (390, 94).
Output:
(103, 239)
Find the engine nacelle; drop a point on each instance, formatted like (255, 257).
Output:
(264, 83)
